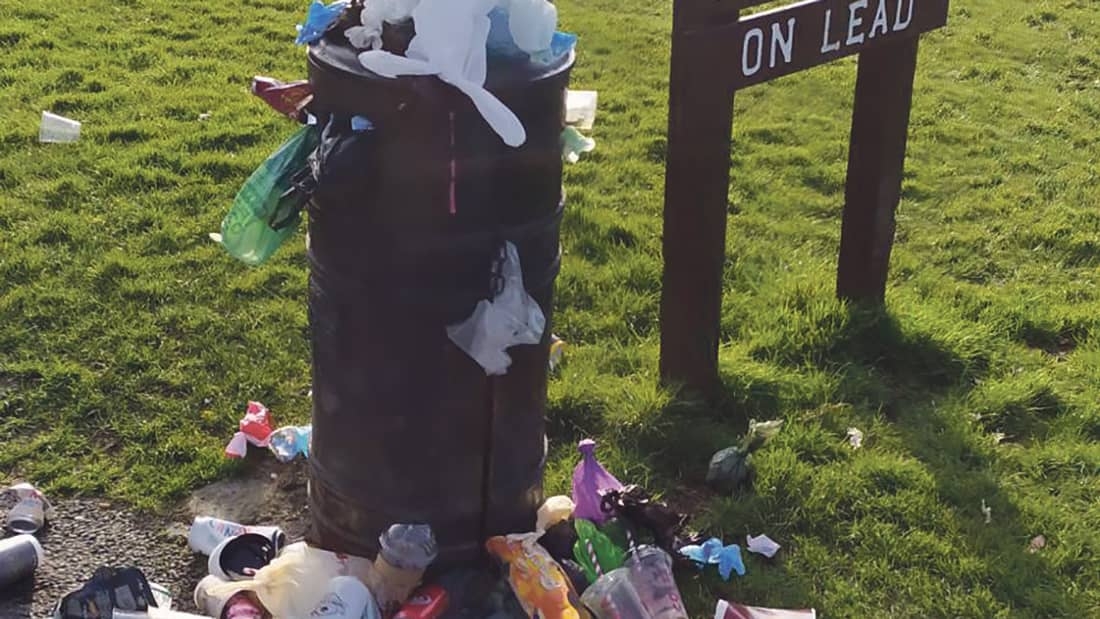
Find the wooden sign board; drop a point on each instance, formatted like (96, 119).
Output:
(714, 54)
(780, 42)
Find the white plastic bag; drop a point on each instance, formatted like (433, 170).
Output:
(450, 43)
(373, 16)
(295, 583)
(511, 318)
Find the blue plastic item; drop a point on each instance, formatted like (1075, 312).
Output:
(319, 18)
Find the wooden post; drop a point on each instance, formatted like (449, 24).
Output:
(700, 121)
(876, 159)
(714, 54)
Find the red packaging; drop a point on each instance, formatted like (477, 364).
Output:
(288, 99)
(732, 610)
(428, 602)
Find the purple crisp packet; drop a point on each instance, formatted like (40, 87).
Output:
(590, 481)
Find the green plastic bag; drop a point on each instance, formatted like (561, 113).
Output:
(267, 209)
(608, 555)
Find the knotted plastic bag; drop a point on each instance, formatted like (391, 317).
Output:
(267, 209)
(590, 481)
(511, 318)
(293, 584)
(450, 42)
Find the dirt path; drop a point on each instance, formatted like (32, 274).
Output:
(87, 534)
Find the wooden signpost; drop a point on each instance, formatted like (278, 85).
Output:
(716, 52)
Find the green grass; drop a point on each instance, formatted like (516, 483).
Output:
(129, 342)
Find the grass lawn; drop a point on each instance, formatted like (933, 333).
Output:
(129, 343)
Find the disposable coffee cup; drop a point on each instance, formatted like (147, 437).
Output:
(57, 129)
(20, 556)
(27, 517)
(613, 596)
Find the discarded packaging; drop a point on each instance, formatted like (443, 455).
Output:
(1036, 544)
(405, 551)
(20, 557)
(293, 584)
(58, 129)
(368, 35)
(634, 504)
(590, 482)
(161, 595)
(255, 429)
(450, 43)
(288, 99)
(620, 532)
(731, 468)
(613, 596)
(552, 511)
(594, 551)
(559, 540)
(237, 605)
(580, 108)
(650, 570)
(267, 209)
(319, 18)
(31, 512)
(426, 603)
(561, 45)
(574, 144)
(240, 557)
(510, 319)
(855, 438)
(347, 598)
(206, 533)
(107, 591)
(762, 545)
(731, 610)
(154, 612)
(557, 351)
(539, 583)
(289, 442)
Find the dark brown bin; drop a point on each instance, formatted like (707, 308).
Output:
(406, 427)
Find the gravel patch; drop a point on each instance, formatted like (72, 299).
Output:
(87, 534)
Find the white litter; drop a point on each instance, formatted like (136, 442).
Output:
(762, 545)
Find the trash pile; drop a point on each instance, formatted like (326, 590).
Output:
(287, 442)
(609, 551)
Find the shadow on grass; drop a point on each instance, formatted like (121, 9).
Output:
(897, 376)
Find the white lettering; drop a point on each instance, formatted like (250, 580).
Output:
(880, 21)
(781, 43)
(899, 23)
(757, 35)
(826, 46)
(855, 22)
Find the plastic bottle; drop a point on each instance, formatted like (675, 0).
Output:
(20, 556)
(405, 551)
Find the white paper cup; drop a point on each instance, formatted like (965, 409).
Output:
(58, 129)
